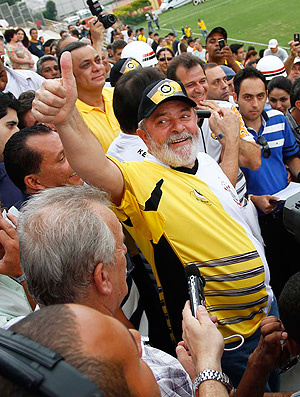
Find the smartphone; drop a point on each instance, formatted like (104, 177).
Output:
(296, 36)
(222, 43)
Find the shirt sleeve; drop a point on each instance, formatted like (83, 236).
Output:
(290, 147)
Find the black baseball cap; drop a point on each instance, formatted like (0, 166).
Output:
(161, 91)
(121, 67)
(218, 29)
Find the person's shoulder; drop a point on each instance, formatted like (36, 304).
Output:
(108, 93)
(271, 113)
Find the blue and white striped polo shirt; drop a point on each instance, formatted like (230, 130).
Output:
(272, 176)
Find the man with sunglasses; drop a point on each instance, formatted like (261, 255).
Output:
(278, 150)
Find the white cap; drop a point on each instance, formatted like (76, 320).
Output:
(273, 43)
(297, 60)
(271, 66)
(140, 51)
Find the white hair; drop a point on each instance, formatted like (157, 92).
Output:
(62, 240)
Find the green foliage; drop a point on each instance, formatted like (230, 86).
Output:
(50, 12)
(132, 14)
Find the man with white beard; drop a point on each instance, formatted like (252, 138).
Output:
(179, 200)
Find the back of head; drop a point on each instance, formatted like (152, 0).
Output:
(19, 159)
(62, 240)
(247, 73)
(128, 93)
(271, 66)
(8, 100)
(57, 328)
(289, 307)
(295, 92)
(9, 34)
(186, 60)
(25, 99)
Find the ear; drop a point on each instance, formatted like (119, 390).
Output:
(297, 104)
(143, 135)
(234, 97)
(32, 182)
(102, 279)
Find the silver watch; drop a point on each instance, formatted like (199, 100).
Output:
(20, 279)
(212, 374)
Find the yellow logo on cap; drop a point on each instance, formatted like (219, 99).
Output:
(164, 90)
(131, 64)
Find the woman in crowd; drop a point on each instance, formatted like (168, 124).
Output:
(19, 56)
(164, 56)
(251, 56)
(279, 89)
(22, 37)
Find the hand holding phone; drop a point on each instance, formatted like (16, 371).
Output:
(222, 43)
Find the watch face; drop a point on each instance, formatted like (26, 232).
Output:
(211, 374)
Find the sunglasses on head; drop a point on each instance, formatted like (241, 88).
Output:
(165, 59)
(261, 140)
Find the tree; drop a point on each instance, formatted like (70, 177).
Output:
(51, 11)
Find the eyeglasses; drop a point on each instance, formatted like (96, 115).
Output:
(165, 59)
(261, 140)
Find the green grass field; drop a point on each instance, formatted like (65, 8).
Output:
(255, 21)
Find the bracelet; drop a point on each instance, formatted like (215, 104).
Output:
(211, 374)
(20, 279)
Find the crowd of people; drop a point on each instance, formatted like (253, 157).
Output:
(126, 157)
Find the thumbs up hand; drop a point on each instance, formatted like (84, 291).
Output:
(55, 101)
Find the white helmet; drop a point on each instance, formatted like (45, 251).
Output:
(140, 51)
(271, 66)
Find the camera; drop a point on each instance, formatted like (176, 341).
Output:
(96, 9)
(222, 43)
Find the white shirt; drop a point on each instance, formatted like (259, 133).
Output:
(126, 147)
(19, 81)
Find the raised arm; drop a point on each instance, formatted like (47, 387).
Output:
(55, 103)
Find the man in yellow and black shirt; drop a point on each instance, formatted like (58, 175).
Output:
(177, 199)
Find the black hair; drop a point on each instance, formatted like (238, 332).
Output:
(19, 159)
(289, 307)
(74, 45)
(9, 34)
(186, 60)
(280, 82)
(247, 73)
(32, 29)
(25, 99)
(8, 100)
(250, 48)
(164, 49)
(295, 92)
(235, 47)
(118, 44)
(49, 42)
(128, 94)
(190, 40)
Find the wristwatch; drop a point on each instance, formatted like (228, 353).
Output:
(217, 137)
(211, 374)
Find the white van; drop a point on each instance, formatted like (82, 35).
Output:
(170, 4)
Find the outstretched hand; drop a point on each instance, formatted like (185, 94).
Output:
(55, 101)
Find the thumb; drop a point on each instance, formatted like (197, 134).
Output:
(67, 76)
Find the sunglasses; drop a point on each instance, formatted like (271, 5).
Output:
(165, 59)
(261, 140)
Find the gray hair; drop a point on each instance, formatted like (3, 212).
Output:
(62, 240)
(39, 64)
